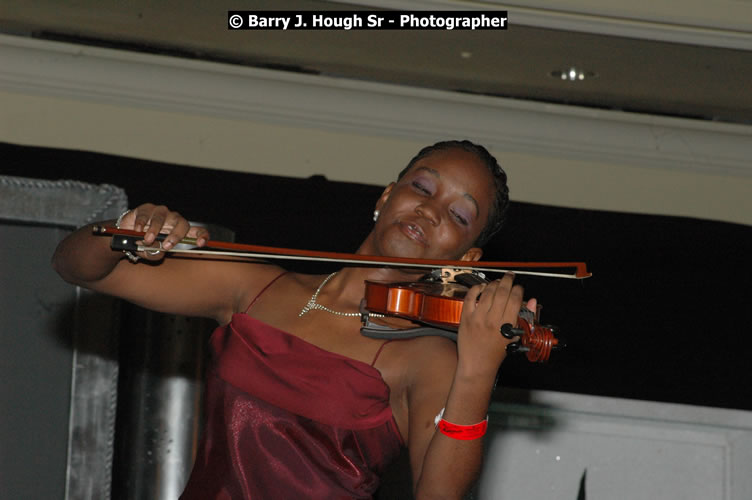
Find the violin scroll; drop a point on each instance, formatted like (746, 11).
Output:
(536, 341)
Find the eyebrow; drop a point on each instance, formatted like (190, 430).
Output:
(468, 196)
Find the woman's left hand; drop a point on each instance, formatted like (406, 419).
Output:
(481, 347)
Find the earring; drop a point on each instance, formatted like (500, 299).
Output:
(375, 215)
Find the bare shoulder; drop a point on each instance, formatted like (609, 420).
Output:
(272, 292)
(251, 279)
(257, 280)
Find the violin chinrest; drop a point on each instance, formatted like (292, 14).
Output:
(376, 331)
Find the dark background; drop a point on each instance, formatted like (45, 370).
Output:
(663, 318)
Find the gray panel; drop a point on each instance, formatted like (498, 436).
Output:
(58, 347)
(35, 364)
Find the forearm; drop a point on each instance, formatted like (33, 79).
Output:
(451, 465)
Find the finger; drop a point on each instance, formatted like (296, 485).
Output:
(471, 301)
(499, 294)
(513, 305)
(532, 305)
(155, 223)
(172, 219)
(201, 234)
(141, 215)
(177, 227)
(507, 302)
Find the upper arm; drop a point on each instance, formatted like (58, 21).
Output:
(189, 287)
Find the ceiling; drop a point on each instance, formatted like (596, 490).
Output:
(643, 74)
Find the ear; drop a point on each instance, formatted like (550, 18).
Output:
(384, 196)
(473, 254)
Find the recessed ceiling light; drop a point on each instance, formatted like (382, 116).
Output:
(465, 54)
(572, 74)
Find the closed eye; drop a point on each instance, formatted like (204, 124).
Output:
(462, 220)
(420, 187)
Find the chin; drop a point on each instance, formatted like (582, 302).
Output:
(409, 250)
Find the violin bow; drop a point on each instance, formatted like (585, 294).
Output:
(126, 239)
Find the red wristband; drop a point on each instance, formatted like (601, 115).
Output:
(462, 432)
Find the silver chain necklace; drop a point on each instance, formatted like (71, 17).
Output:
(312, 304)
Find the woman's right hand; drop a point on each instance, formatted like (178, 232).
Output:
(154, 219)
(88, 260)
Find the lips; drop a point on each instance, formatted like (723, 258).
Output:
(414, 231)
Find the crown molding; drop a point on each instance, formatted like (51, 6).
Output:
(153, 82)
(661, 20)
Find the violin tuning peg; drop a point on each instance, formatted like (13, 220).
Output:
(516, 347)
(510, 332)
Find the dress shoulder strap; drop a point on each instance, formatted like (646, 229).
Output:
(379, 351)
(264, 289)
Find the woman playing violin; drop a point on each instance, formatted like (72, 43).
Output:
(299, 403)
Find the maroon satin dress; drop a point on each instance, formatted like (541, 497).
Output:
(288, 420)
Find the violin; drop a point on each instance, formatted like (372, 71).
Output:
(435, 304)
(439, 304)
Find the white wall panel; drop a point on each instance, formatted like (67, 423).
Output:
(630, 449)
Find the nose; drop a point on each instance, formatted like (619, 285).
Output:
(429, 212)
